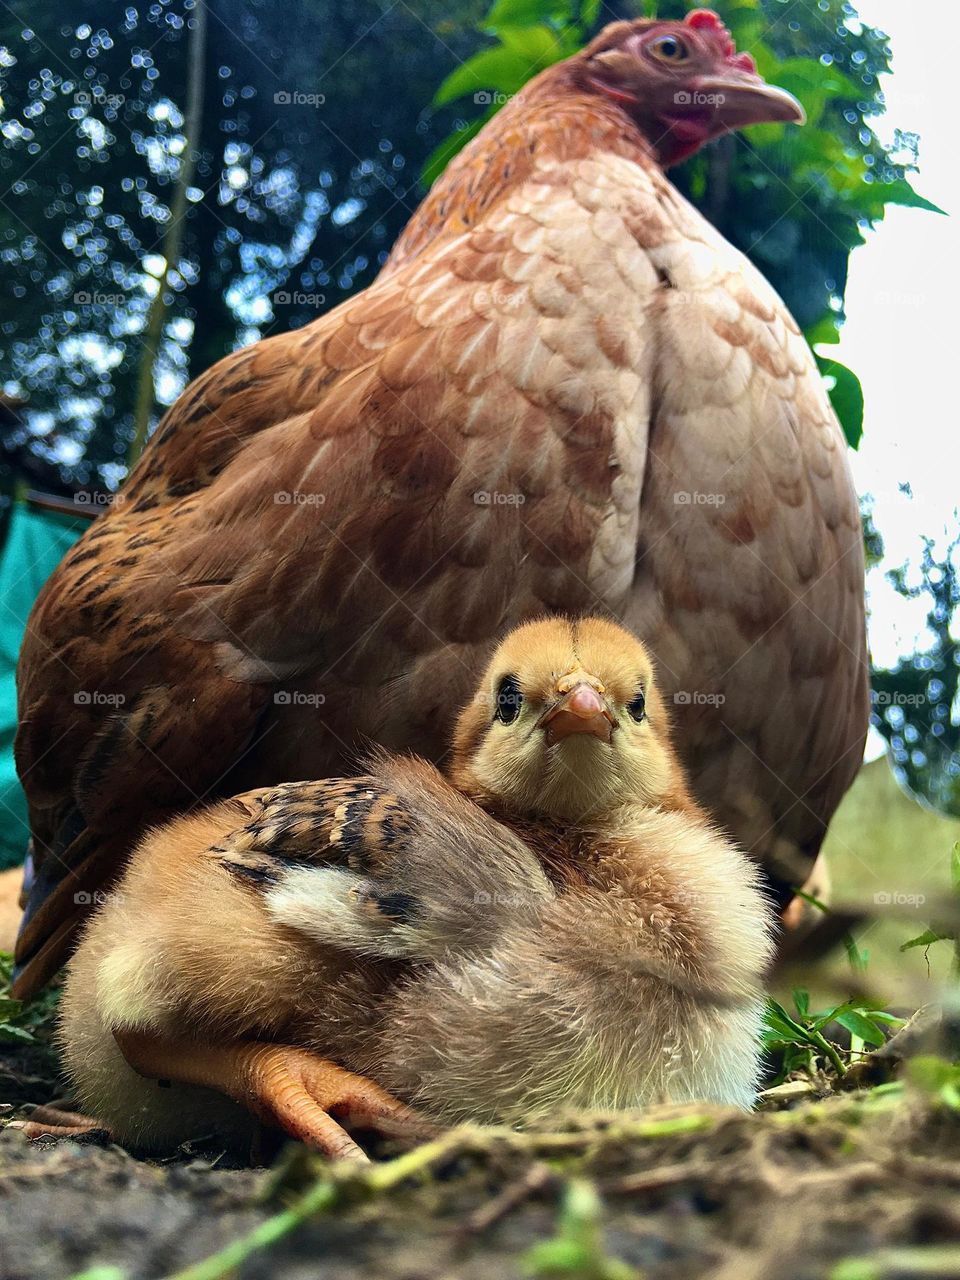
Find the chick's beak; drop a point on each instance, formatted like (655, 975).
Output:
(580, 710)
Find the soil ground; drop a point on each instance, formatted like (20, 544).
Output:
(793, 1193)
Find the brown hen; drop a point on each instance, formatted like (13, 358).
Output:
(565, 392)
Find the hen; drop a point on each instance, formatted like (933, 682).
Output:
(575, 933)
(564, 393)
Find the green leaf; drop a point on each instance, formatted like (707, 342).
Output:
(846, 396)
(925, 939)
(780, 1024)
(891, 1019)
(901, 192)
(526, 13)
(802, 1001)
(824, 332)
(9, 1032)
(858, 1025)
(539, 46)
(955, 867)
(589, 12)
(500, 69)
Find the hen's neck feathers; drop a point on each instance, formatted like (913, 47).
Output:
(552, 117)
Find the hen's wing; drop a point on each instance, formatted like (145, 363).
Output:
(327, 528)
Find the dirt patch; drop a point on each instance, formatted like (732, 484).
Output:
(684, 1193)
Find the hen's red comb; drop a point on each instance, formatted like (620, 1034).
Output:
(707, 20)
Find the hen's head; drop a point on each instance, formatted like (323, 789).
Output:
(567, 724)
(683, 83)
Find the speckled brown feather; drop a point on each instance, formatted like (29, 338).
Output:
(330, 528)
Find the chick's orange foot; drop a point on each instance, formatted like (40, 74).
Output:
(56, 1121)
(309, 1098)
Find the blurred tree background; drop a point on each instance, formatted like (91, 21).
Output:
(296, 140)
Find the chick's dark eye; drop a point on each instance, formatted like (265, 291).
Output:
(509, 700)
(637, 708)
(669, 49)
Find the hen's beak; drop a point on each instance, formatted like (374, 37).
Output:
(580, 709)
(738, 100)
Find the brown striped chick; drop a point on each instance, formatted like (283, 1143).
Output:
(560, 926)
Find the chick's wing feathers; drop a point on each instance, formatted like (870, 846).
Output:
(347, 860)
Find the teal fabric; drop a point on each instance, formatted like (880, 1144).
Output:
(37, 541)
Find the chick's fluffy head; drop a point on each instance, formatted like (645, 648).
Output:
(507, 755)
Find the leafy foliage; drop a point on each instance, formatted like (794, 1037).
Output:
(915, 704)
(801, 1040)
(297, 197)
(19, 1022)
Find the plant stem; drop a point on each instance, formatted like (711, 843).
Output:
(320, 1197)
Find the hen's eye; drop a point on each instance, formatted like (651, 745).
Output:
(637, 707)
(509, 700)
(669, 49)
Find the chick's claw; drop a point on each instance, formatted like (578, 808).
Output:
(316, 1102)
(308, 1097)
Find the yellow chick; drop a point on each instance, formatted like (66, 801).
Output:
(557, 924)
